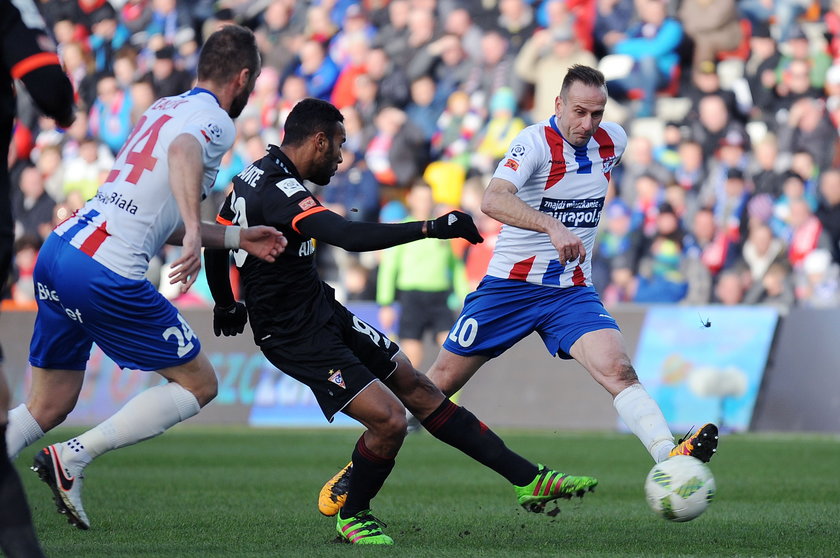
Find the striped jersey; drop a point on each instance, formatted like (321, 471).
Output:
(567, 182)
(134, 211)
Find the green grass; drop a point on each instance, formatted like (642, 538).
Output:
(202, 492)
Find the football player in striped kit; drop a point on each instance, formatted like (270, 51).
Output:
(90, 276)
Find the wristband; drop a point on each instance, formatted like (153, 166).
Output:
(232, 237)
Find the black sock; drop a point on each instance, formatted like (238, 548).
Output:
(17, 535)
(369, 474)
(461, 429)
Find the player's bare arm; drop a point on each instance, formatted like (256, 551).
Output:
(265, 243)
(501, 203)
(186, 168)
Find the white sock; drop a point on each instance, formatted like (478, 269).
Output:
(643, 416)
(146, 415)
(22, 431)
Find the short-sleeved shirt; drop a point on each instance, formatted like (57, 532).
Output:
(134, 212)
(285, 298)
(567, 182)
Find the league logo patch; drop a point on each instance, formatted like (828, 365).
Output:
(290, 186)
(337, 379)
(511, 164)
(308, 203)
(517, 151)
(213, 129)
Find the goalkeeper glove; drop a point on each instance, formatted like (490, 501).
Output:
(455, 224)
(229, 320)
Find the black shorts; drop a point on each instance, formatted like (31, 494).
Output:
(337, 361)
(422, 311)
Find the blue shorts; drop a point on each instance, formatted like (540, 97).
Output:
(501, 312)
(80, 302)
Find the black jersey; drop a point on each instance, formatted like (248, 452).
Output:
(286, 298)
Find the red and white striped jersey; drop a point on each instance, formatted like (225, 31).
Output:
(134, 211)
(567, 182)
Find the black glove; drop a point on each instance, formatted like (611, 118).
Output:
(455, 224)
(229, 320)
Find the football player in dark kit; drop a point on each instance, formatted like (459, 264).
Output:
(26, 54)
(350, 366)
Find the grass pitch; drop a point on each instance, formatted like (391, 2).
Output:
(231, 492)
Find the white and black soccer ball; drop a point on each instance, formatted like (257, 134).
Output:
(680, 488)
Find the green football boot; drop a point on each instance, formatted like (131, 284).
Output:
(362, 528)
(550, 485)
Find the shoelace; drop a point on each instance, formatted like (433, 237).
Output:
(366, 519)
(687, 435)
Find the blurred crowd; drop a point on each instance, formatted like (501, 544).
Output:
(729, 191)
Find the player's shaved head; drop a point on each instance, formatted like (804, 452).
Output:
(309, 117)
(226, 52)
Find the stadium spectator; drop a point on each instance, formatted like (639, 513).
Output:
(808, 128)
(544, 60)
(828, 211)
(445, 61)
(32, 207)
(764, 169)
(652, 43)
(393, 36)
(304, 328)
(714, 26)
(460, 23)
(455, 130)
(110, 115)
(355, 64)
(166, 78)
(818, 281)
(503, 125)
(317, 68)
(639, 161)
(279, 35)
(759, 70)
(397, 154)
(109, 294)
(353, 191)
(690, 172)
(86, 171)
(422, 277)
(495, 70)
(806, 233)
(422, 31)
(393, 83)
(760, 250)
(793, 83)
(712, 124)
(730, 288)
(705, 81)
(426, 106)
(612, 20)
(774, 288)
(516, 22)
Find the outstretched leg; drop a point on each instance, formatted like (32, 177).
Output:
(602, 353)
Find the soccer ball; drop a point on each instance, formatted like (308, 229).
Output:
(680, 488)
